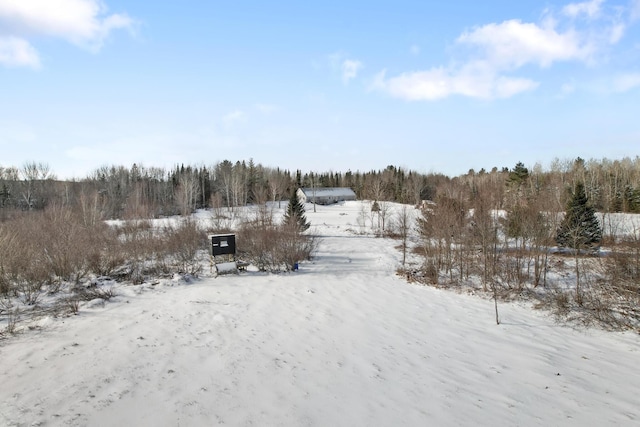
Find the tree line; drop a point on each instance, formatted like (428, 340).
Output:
(139, 191)
(146, 192)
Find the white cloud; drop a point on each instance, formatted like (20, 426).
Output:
(590, 9)
(350, 69)
(635, 10)
(347, 68)
(495, 51)
(266, 108)
(17, 52)
(616, 32)
(82, 22)
(606, 24)
(626, 82)
(440, 83)
(234, 116)
(512, 44)
(506, 87)
(421, 85)
(500, 48)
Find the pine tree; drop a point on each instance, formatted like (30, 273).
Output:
(518, 175)
(295, 213)
(580, 228)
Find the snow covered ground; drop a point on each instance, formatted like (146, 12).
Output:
(341, 342)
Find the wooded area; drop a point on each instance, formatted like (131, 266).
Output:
(147, 192)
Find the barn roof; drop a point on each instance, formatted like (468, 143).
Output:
(329, 192)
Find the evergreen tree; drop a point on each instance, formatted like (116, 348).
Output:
(518, 175)
(295, 213)
(515, 222)
(579, 228)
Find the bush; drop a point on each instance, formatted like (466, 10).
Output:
(40, 250)
(293, 246)
(8, 240)
(105, 256)
(139, 245)
(273, 247)
(23, 262)
(182, 244)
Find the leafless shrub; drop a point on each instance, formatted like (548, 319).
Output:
(293, 246)
(140, 250)
(256, 243)
(139, 245)
(183, 243)
(95, 292)
(25, 268)
(559, 302)
(29, 291)
(12, 321)
(431, 273)
(615, 299)
(41, 250)
(400, 227)
(443, 228)
(221, 217)
(263, 214)
(221, 222)
(611, 226)
(5, 305)
(601, 302)
(105, 256)
(363, 218)
(600, 305)
(274, 247)
(72, 304)
(422, 275)
(63, 241)
(7, 246)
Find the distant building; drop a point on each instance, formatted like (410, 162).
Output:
(325, 196)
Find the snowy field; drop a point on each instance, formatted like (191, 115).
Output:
(341, 342)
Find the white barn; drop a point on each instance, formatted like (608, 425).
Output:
(325, 196)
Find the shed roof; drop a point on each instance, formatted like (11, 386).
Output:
(329, 192)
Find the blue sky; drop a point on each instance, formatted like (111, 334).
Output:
(318, 86)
